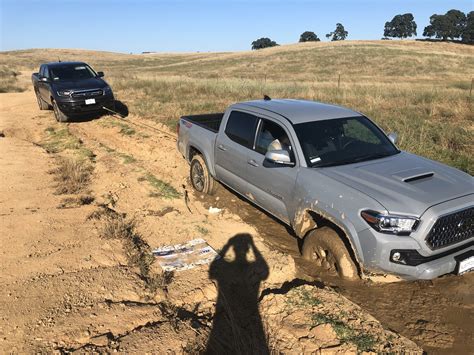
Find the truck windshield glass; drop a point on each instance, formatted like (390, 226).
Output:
(342, 141)
(71, 72)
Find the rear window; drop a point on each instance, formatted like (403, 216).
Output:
(241, 128)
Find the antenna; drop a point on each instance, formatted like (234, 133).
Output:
(267, 98)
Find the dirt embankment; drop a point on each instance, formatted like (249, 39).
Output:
(76, 271)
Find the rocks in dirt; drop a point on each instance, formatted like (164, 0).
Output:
(311, 319)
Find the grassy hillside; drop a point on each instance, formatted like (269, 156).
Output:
(419, 89)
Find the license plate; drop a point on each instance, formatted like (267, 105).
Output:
(466, 265)
(90, 101)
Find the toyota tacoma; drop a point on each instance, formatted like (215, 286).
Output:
(361, 205)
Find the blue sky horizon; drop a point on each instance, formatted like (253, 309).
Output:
(129, 26)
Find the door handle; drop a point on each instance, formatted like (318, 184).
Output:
(252, 162)
(221, 147)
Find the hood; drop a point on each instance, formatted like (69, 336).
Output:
(78, 85)
(404, 183)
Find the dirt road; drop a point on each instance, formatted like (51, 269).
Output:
(63, 283)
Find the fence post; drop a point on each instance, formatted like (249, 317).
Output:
(470, 91)
(338, 81)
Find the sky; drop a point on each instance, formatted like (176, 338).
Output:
(134, 26)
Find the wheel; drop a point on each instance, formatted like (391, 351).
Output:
(42, 105)
(200, 177)
(326, 249)
(60, 117)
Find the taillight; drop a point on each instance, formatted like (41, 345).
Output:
(177, 128)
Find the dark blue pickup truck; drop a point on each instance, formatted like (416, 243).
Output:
(71, 88)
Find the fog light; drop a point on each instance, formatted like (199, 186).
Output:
(396, 256)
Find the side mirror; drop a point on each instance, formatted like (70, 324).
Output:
(393, 137)
(100, 74)
(279, 157)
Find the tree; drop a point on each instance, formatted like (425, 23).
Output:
(339, 34)
(263, 42)
(401, 26)
(450, 25)
(468, 33)
(309, 36)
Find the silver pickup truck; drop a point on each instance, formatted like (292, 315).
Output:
(361, 205)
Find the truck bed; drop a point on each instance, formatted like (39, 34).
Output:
(210, 121)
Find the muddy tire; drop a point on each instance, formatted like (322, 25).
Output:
(42, 105)
(60, 116)
(201, 179)
(326, 249)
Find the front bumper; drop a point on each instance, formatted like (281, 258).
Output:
(420, 261)
(382, 247)
(77, 106)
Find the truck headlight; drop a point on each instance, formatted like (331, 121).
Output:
(107, 90)
(390, 224)
(64, 93)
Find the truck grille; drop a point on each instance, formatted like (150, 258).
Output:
(87, 93)
(451, 229)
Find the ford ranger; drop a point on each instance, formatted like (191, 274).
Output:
(71, 88)
(361, 205)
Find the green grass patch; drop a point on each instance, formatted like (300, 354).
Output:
(203, 231)
(127, 159)
(161, 189)
(303, 298)
(60, 140)
(345, 333)
(125, 129)
(107, 148)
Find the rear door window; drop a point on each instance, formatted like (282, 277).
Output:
(241, 128)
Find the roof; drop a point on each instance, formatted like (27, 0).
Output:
(56, 64)
(300, 111)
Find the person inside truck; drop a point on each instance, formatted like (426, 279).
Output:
(272, 137)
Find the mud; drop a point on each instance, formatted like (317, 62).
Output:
(436, 314)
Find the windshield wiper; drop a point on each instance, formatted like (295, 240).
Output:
(355, 159)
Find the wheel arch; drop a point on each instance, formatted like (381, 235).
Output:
(308, 220)
(194, 150)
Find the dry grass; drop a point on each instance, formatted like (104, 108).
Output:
(117, 226)
(419, 89)
(76, 201)
(8, 80)
(71, 175)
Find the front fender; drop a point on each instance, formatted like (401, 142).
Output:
(306, 219)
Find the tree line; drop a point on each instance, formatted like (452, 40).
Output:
(453, 25)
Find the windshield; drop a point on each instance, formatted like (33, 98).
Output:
(342, 141)
(72, 72)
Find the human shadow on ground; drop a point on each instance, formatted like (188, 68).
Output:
(237, 326)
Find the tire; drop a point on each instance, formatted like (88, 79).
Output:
(201, 179)
(60, 116)
(42, 105)
(326, 249)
